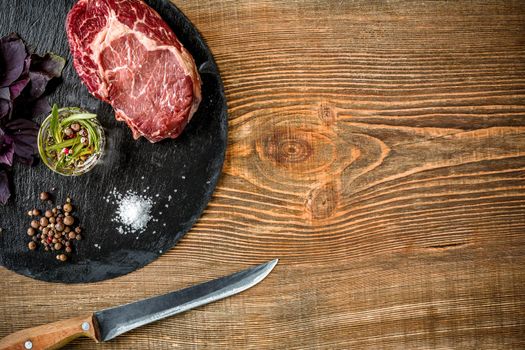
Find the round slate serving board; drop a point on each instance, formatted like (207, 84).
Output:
(179, 175)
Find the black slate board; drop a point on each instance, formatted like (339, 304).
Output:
(184, 170)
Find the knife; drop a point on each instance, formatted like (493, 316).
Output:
(109, 323)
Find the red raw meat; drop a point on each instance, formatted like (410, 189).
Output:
(128, 56)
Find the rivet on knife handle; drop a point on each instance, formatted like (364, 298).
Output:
(52, 335)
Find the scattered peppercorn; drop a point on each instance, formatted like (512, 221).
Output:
(68, 208)
(56, 228)
(44, 222)
(69, 220)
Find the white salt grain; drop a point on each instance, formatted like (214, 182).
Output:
(133, 211)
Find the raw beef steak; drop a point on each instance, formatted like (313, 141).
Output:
(128, 56)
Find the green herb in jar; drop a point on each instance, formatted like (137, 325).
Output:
(70, 140)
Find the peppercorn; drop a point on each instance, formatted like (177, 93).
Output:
(58, 246)
(54, 240)
(44, 196)
(44, 222)
(30, 213)
(46, 249)
(34, 238)
(68, 131)
(31, 231)
(67, 229)
(67, 243)
(68, 250)
(45, 230)
(52, 220)
(59, 227)
(35, 224)
(57, 235)
(72, 235)
(54, 210)
(35, 212)
(79, 237)
(59, 220)
(69, 220)
(68, 208)
(63, 257)
(83, 132)
(48, 213)
(78, 229)
(32, 245)
(75, 127)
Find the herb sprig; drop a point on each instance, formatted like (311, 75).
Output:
(71, 139)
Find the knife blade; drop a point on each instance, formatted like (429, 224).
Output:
(107, 324)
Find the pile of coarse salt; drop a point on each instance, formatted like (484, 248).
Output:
(133, 211)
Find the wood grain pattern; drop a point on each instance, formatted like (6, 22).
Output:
(377, 149)
(52, 335)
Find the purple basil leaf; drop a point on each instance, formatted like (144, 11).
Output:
(5, 103)
(38, 84)
(49, 64)
(24, 134)
(4, 187)
(28, 108)
(7, 149)
(13, 54)
(17, 87)
(42, 70)
(40, 107)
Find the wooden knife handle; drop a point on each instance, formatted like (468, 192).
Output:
(52, 335)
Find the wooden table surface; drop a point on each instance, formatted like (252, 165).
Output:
(377, 149)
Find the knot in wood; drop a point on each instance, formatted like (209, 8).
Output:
(322, 201)
(327, 114)
(287, 148)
